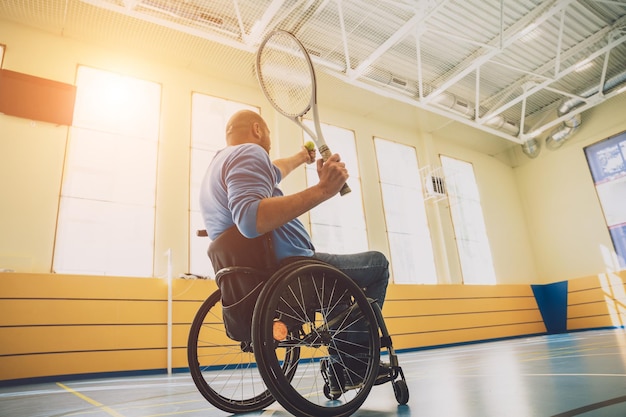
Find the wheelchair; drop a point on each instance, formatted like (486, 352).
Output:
(301, 333)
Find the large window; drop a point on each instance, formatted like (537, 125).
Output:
(469, 223)
(412, 260)
(107, 205)
(209, 116)
(607, 162)
(338, 225)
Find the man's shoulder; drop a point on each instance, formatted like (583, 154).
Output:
(247, 148)
(246, 152)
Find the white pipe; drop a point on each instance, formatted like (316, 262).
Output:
(169, 311)
(562, 133)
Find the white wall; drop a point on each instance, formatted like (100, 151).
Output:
(567, 230)
(505, 221)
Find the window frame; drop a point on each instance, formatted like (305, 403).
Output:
(606, 180)
(416, 240)
(487, 272)
(342, 224)
(198, 262)
(97, 161)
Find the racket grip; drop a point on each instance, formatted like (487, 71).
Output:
(325, 152)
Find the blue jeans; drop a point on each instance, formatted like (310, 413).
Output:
(370, 270)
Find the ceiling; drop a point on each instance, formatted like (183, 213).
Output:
(513, 69)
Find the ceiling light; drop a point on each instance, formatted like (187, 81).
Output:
(529, 33)
(583, 65)
(529, 29)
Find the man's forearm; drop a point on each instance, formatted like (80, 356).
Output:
(275, 211)
(288, 164)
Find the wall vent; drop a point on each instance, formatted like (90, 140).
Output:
(399, 81)
(433, 183)
(437, 185)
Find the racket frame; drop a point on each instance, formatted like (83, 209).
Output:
(317, 136)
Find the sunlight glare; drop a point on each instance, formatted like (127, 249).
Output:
(614, 297)
(117, 104)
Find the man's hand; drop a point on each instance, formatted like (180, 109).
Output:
(332, 173)
(273, 212)
(309, 152)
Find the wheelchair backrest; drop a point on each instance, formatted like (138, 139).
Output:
(242, 267)
(231, 248)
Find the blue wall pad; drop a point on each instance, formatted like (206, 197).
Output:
(552, 302)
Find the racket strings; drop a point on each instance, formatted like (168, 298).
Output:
(285, 75)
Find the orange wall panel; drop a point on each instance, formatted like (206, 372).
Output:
(65, 324)
(597, 301)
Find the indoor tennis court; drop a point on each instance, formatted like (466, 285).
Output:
(485, 143)
(575, 374)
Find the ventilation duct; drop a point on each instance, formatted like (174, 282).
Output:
(391, 80)
(446, 100)
(454, 103)
(500, 123)
(182, 9)
(531, 148)
(467, 109)
(561, 134)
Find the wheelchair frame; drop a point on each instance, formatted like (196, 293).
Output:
(294, 367)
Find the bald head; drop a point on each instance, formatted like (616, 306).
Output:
(247, 126)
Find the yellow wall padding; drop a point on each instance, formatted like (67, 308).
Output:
(597, 301)
(66, 324)
(433, 315)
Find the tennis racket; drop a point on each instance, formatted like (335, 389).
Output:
(287, 78)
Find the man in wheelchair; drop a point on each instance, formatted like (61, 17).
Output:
(240, 191)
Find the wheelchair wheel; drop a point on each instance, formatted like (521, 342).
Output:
(401, 391)
(223, 370)
(320, 310)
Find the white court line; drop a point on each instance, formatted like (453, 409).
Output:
(133, 378)
(438, 376)
(578, 375)
(29, 393)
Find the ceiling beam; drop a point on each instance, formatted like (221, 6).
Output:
(589, 103)
(261, 25)
(533, 76)
(203, 34)
(344, 36)
(545, 13)
(385, 92)
(547, 82)
(398, 35)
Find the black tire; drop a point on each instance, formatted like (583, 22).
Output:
(223, 372)
(304, 298)
(401, 391)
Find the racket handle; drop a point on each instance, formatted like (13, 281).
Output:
(325, 152)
